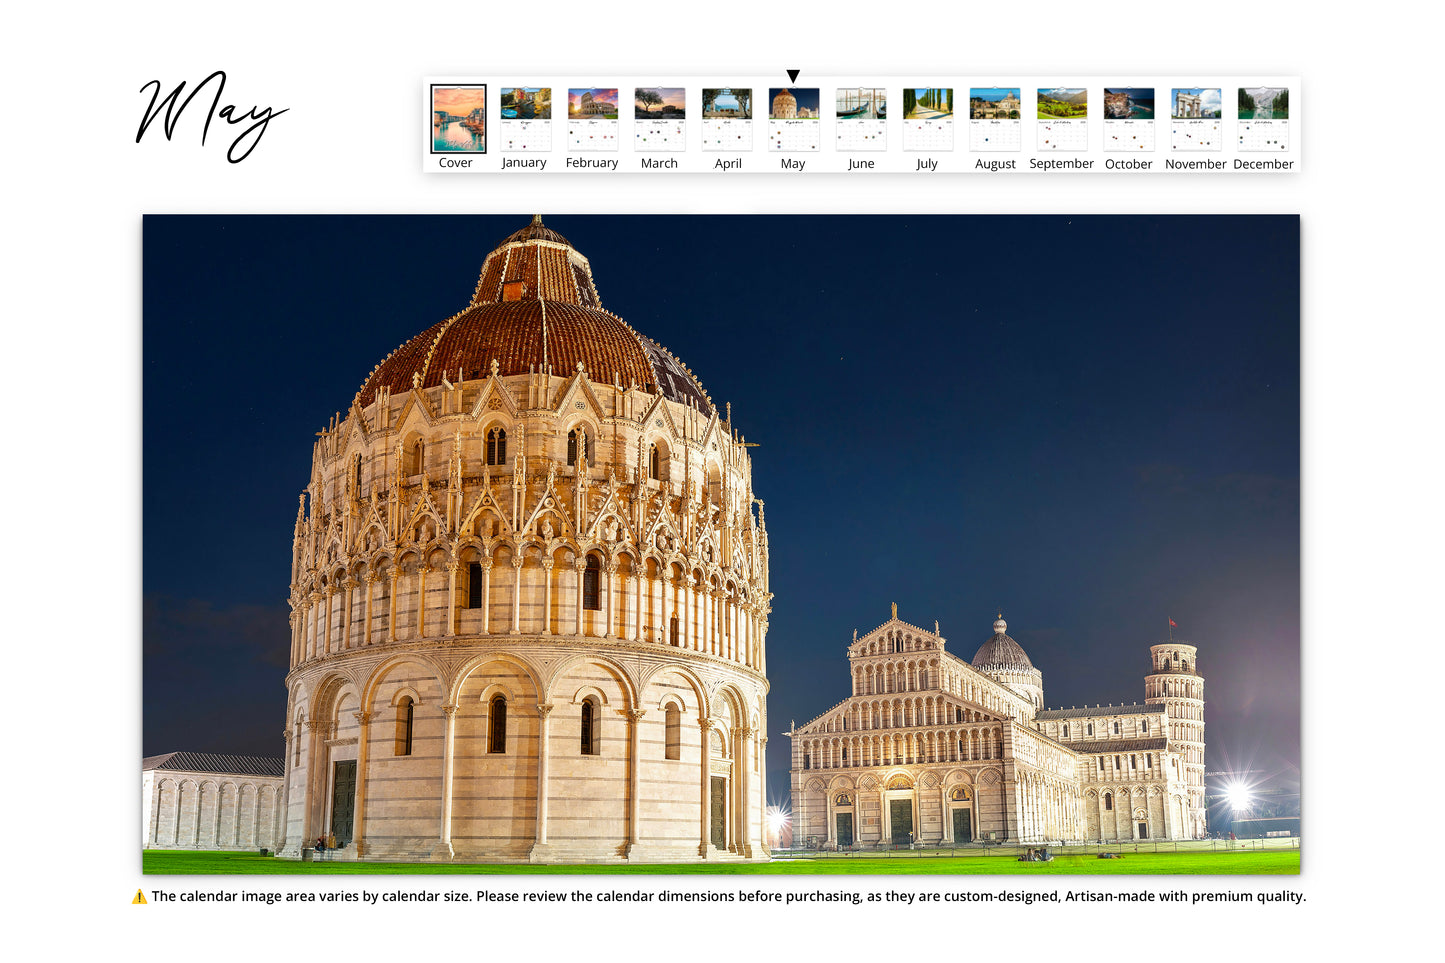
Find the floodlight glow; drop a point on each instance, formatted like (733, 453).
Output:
(1238, 796)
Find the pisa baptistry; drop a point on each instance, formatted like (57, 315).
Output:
(529, 595)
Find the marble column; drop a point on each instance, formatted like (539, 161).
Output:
(371, 579)
(443, 849)
(581, 566)
(516, 594)
(451, 622)
(705, 744)
(358, 824)
(391, 601)
(487, 595)
(609, 572)
(634, 775)
(543, 729)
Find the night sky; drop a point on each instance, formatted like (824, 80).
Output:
(1089, 422)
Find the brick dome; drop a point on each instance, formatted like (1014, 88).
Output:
(535, 303)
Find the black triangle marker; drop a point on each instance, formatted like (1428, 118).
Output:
(793, 76)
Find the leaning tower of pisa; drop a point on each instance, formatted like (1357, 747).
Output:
(1175, 683)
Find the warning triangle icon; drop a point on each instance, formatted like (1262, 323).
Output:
(139, 898)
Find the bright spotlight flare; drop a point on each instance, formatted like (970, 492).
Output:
(1239, 796)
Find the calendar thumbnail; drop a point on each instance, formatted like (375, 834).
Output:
(526, 123)
(1263, 119)
(862, 114)
(793, 119)
(1195, 122)
(1063, 119)
(459, 119)
(927, 118)
(727, 118)
(994, 119)
(592, 118)
(659, 119)
(1128, 119)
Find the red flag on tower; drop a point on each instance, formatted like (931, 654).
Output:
(1173, 624)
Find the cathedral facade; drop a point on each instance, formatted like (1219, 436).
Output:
(933, 750)
(529, 595)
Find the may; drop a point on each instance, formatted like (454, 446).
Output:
(174, 107)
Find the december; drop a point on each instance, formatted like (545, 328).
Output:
(399, 897)
(1262, 165)
(1068, 163)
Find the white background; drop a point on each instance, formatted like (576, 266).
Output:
(77, 185)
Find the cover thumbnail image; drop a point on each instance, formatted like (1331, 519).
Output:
(793, 119)
(659, 118)
(927, 118)
(1063, 118)
(994, 119)
(1128, 119)
(727, 118)
(592, 118)
(1263, 119)
(459, 118)
(862, 113)
(1194, 114)
(526, 122)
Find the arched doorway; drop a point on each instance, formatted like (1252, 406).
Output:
(900, 811)
(960, 805)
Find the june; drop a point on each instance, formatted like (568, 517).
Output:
(174, 107)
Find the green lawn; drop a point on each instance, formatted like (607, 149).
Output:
(166, 862)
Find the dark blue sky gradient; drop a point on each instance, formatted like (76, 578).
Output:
(1092, 422)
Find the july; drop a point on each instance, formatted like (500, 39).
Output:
(174, 107)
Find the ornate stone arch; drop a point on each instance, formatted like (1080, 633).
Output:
(466, 669)
(329, 692)
(568, 424)
(689, 675)
(613, 666)
(404, 692)
(493, 689)
(586, 692)
(383, 668)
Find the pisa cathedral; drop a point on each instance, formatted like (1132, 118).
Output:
(932, 750)
(529, 595)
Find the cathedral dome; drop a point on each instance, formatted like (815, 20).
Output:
(1001, 653)
(535, 305)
